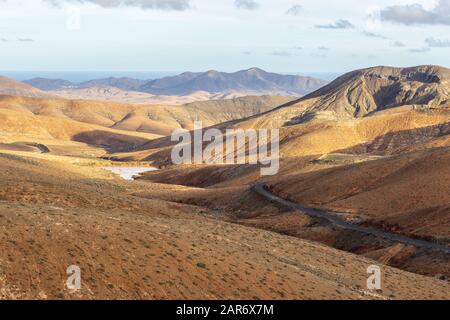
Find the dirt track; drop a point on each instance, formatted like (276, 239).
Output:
(261, 189)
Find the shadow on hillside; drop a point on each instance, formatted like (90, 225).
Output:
(111, 142)
(392, 141)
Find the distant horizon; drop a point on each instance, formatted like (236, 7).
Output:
(85, 75)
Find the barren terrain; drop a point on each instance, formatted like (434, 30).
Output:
(358, 149)
(56, 213)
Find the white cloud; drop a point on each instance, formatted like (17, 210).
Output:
(246, 4)
(295, 10)
(437, 43)
(281, 54)
(419, 50)
(373, 35)
(398, 44)
(177, 5)
(416, 14)
(339, 24)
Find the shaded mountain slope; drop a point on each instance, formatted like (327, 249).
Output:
(363, 92)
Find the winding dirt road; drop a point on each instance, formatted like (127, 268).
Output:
(262, 190)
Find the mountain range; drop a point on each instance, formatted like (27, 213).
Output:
(253, 81)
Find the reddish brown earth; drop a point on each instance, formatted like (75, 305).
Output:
(201, 231)
(54, 214)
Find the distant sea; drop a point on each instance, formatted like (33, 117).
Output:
(81, 76)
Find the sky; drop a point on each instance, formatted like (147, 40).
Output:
(197, 35)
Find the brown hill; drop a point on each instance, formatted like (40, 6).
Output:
(391, 131)
(114, 94)
(114, 114)
(24, 126)
(363, 92)
(39, 120)
(16, 88)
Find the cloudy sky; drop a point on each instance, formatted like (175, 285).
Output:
(178, 35)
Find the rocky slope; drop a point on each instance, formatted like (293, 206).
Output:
(363, 92)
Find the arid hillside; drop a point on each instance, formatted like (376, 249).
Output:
(362, 92)
(370, 149)
(386, 169)
(61, 211)
(409, 193)
(16, 88)
(326, 121)
(113, 94)
(155, 119)
(386, 132)
(18, 126)
(94, 127)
